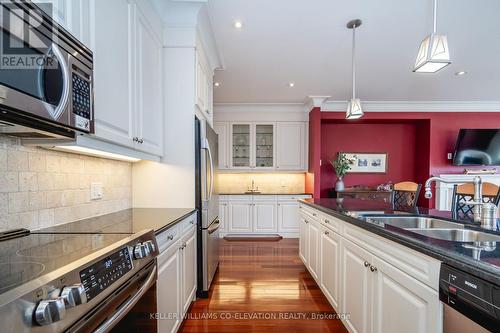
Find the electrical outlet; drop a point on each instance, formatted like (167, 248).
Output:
(450, 156)
(96, 191)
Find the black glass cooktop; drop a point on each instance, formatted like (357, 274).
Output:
(27, 257)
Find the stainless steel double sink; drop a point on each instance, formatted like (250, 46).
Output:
(433, 228)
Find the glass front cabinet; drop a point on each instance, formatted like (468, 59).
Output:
(253, 145)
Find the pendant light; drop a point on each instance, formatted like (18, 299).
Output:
(354, 110)
(433, 54)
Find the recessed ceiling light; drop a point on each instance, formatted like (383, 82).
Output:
(238, 24)
(217, 84)
(461, 73)
(291, 84)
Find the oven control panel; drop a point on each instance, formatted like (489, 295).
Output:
(105, 272)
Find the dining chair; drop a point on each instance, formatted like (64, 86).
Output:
(465, 192)
(405, 194)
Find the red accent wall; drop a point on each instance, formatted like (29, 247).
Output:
(397, 140)
(435, 135)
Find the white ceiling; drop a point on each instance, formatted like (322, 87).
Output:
(306, 42)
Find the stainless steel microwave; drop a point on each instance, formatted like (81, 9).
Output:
(46, 76)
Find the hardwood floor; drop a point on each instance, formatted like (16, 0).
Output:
(262, 287)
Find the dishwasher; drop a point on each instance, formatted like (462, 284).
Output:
(471, 304)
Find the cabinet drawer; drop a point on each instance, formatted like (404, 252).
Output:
(330, 222)
(239, 197)
(310, 212)
(188, 223)
(167, 237)
(293, 197)
(421, 267)
(264, 198)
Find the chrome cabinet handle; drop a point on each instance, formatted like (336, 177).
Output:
(170, 237)
(314, 214)
(327, 233)
(135, 139)
(367, 264)
(140, 140)
(373, 268)
(327, 222)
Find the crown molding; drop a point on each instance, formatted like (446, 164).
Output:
(416, 106)
(259, 107)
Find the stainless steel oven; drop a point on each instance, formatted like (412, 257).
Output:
(46, 76)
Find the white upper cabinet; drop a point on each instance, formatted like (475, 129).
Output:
(291, 145)
(128, 75)
(149, 83)
(204, 86)
(113, 75)
(266, 146)
(222, 129)
(73, 15)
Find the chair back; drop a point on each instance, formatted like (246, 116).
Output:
(465, 192)
(405, 194)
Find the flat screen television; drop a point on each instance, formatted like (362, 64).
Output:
(477, 147)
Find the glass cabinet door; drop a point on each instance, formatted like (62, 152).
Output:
(241, 145)
(264, 146)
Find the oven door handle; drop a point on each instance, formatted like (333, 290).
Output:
(214, 228)
(127, 306)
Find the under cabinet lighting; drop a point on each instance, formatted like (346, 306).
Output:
(217, 84)
(238, 24)
(95, 152)
(291, 84)
(460, 73)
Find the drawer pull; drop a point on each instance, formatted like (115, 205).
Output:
(327, 233)
(191, 222)
(326, 221)
(170, 237)
(373, 268)
(314, 214)
(367, 264)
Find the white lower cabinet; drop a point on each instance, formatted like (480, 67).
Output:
(314, 259)
(304, 240)
(240, 217)
(288, 213)
(330, 265)
(403, 304)
(260, 214)
(356, 287)
(169, 289)
(176, 282)
(376, 296)
(264, 217)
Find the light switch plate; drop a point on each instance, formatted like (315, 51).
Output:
(96, 192)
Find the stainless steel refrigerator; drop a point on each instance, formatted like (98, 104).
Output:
(207, 203)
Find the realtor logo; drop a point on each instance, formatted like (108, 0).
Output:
(22, 44)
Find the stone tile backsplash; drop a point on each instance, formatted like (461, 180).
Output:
(41, 188)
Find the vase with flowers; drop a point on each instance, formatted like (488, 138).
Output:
(341, 164)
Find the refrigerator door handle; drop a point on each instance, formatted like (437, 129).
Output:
(207, 147)
(214, 227)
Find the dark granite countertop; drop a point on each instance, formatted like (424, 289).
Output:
(125, 221)
(481, 263)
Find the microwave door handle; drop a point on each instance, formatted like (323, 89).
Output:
(127, 306)
(56, 113)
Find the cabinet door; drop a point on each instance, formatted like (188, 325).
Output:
(288, 216)
(290, 146)
(330, 266)
(188, 269)
(168, 288)
(149, 115)
(304, 240)
(356, 287)
(223, 216)
(241, 151)
(264, 145)
(314, 238)
(201, 83)
(264, 217)
(114, 93)
(395, 292)
(222, 129)
(240, 217)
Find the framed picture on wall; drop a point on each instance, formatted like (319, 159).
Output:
(368, 162)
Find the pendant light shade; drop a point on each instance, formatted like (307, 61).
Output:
(433, 53)
(354, 110)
